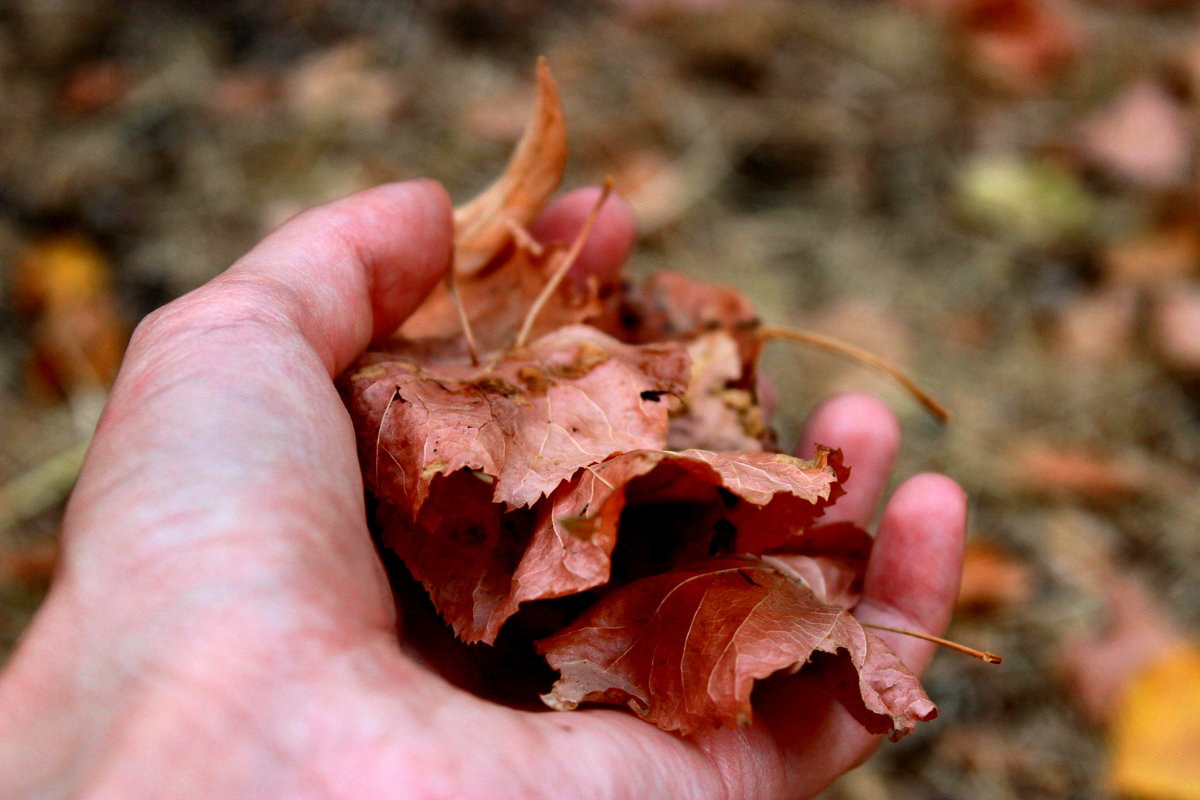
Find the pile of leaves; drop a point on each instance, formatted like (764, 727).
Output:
(529, 438)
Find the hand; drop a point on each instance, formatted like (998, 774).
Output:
(221, 626)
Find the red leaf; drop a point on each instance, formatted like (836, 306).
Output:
(684, 648)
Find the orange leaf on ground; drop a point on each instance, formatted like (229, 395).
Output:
(992, 579)
(65, 283)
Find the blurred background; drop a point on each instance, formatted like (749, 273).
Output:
(999, 196)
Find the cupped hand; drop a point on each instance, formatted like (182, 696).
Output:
(221, 626)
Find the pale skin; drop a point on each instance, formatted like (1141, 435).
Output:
(221, 626)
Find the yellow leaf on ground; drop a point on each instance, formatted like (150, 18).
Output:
(1156, 731)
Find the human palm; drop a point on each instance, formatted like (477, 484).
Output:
(221, 626)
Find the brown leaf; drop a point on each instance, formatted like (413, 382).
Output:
(463, 548)
(1045, 469)
(532, 420)
(571, 549)
(683, 649)
(831, 559)
(993, 579)
(480, 561)
(484, 226)
(668, 305)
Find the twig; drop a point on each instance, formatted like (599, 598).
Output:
(858, 355)
(40, 487)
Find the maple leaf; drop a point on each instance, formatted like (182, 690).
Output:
(496, 301)
(508, 477)
(683, 649)
(480, 562)
(669, 305)
(571, 548)
(529, 421)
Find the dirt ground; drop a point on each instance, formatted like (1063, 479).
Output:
(998, 196)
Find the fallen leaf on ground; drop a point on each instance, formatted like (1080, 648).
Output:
(1144, 137)
(1046, 469)
(1156, 731)
(1175, 326)
(993, 579)
(1018, 46)
(64, 282)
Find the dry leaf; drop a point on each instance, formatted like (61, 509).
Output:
(79, 335)
(497, 300)
(484, 226)
(992, 579)
(575, 397)
(668, 305)
(1070, 471)
(684, 649)
(538, 471)
(480, 561)
(1018, 46)
(718, 413)
(1156, 732)
(1175, 326)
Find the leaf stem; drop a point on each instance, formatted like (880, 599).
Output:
(561, 270)
(468, 334)
(982, 655)
(858, 355)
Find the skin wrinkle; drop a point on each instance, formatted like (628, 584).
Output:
(209, 683)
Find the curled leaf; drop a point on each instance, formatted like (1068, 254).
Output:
(571, 549)
(480, 562)
(484, 225)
